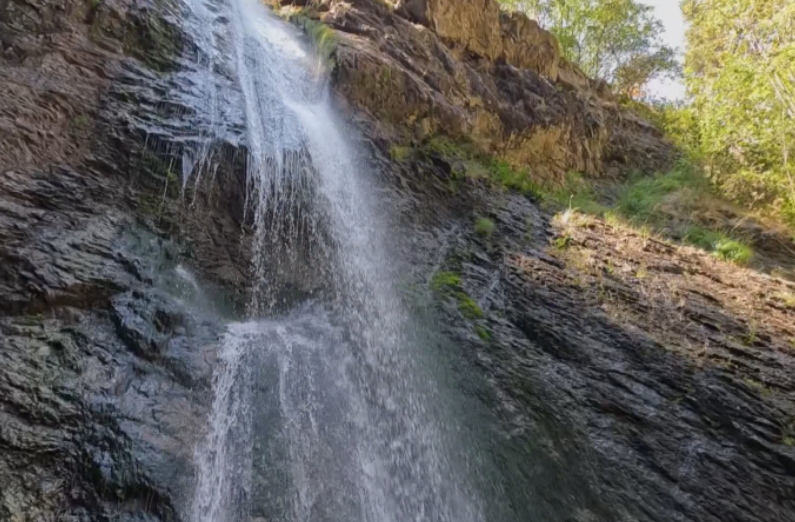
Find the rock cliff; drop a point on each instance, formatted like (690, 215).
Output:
(105, 367)
(636, 390)
(469, 70)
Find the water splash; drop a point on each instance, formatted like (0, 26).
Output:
(223, 461)
(344, 411)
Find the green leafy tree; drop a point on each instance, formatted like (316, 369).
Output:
(740, 72)
(618, 40)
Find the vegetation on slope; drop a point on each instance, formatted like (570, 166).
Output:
(617, 40)
(738, 123)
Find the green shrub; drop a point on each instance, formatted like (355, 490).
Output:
(442, 281)
(505, 176)
(703, 238)
(483, 332)
(721, 245)
(468, 307)
(640, 199)
(563, 242)
(322, 37)
(732, 250)
(484, 227)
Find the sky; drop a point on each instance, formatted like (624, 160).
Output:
(671, 16)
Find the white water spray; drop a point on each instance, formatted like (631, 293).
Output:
(351, 430)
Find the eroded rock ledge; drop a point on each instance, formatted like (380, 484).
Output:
(467, 70)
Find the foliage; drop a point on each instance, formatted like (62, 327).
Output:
(504, 175)
(618, 40)
(81, 121)
(740, 72)
(576, 193)
(483, 332)
(721, 245)
(640, 199)
(732, 250)
(322, 37)
(468, 307)
(443, 281)
(449, 283)
(484, 227)
(563, 242)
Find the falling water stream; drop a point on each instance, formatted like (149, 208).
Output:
(322, 411)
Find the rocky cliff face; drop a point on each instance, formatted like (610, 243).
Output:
(468, 70)
(105, 364)
(637, 379)
(638, 390)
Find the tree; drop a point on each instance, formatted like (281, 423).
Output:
(618, 40)
(740, 72)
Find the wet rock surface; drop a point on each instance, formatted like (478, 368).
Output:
(107, 356)
(101, 401)
(607, 396)
(624, 378)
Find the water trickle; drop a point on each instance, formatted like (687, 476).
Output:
(338, 425)
(223, 461)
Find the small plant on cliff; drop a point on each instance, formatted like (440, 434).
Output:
(504, 175)
(563, 242)
(733, 250)
(445, 281)
(483, 332)
(640, 200)
(322, 36)
(484, 227)
(469, 307)
(722, 246)
(449, 284)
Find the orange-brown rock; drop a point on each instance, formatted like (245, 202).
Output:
(466, 69)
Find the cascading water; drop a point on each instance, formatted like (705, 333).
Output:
(322, 412)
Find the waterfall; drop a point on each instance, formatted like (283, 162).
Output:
(320, 410)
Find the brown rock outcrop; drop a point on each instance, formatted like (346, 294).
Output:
(466, 69)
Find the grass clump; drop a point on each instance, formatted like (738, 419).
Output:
(468, 307)
(481, 165)
(442, 281)
(449, 283)
(81, 121)
(502, 174)
(640, 199)
(322, 36)
(576, 193)
(719, 244)
(484, 227)
(563, 242)
(733, 251)
(483, 332)
(702, 237)
(661, 204)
